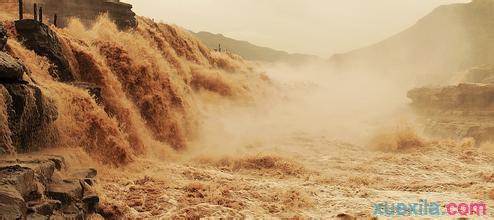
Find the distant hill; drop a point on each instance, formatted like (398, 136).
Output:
(250, 51)
(450, 39)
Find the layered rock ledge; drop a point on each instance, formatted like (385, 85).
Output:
(42, 187)
(460, 111)
(86, 10)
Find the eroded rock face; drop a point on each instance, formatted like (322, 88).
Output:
(3, 37)
(41, 39)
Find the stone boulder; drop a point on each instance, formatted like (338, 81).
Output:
(18, 177)
(38, 37)
(3, 37)
(11, 70)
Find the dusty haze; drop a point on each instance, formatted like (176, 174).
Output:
(327, 26)
(185, 132)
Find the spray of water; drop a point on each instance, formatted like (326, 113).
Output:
(151, 79)
(164, 92)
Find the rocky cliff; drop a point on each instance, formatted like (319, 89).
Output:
(459, 111)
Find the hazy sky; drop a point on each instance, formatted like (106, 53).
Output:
(320, 27)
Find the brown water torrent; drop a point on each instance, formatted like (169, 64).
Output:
(150, 79)
(177, 124)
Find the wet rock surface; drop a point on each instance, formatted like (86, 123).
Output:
(29, 190)
(29, 114)
(38, 37)
(3, 37)
(11, 70)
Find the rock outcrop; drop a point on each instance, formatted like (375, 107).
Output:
(38, 37)
(462, 111)
(32, 188)
(463, 97)
(87, 11)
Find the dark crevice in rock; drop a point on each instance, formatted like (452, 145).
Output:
(3, 37)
